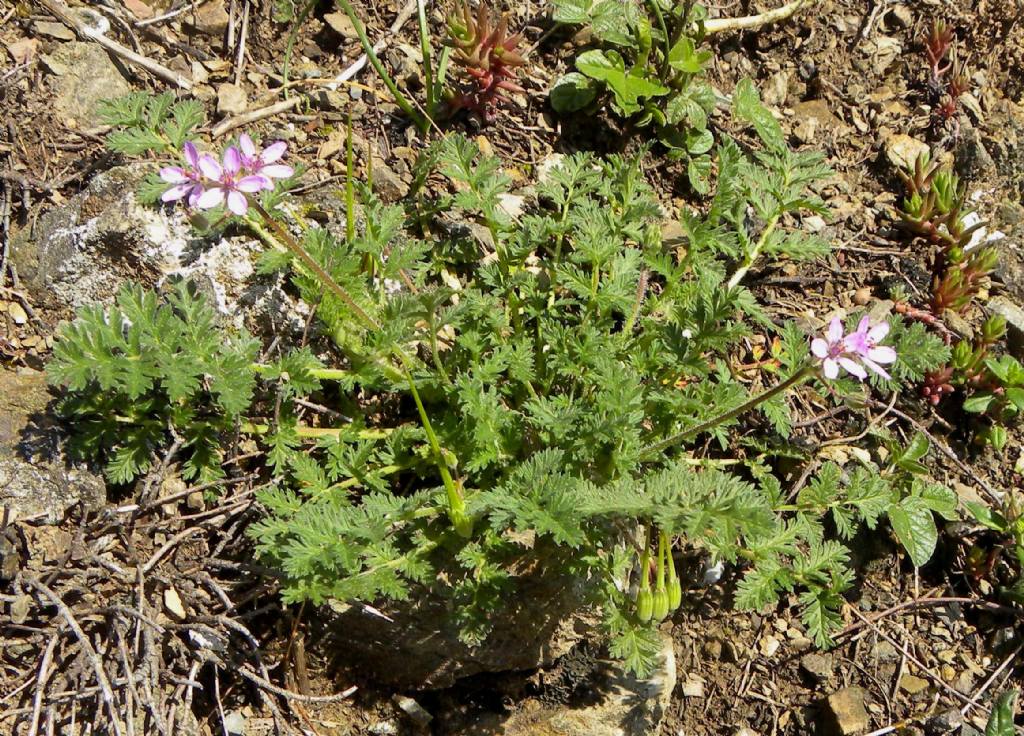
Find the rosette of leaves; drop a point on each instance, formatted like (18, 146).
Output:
(648, 66)
(488, 54)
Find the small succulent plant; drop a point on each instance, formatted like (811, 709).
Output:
(488, 54)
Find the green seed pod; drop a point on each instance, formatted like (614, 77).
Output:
(644, 605)
(659, 608)
(675, 595)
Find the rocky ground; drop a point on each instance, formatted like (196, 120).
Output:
(922, 652)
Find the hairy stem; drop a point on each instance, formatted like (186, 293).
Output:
(457, 505)
(752, 256)
(652, 450)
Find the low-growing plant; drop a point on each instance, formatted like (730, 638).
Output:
(648, 65)
(484, 51)
(947, 81)
(935, 209)
(541, 392)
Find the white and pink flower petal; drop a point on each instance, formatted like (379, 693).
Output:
(882, 354)
(210, 168)
(237, 203)
(853, 368)
(277, 171)
(819, 347)
(273, 152)
(830, 368)
(175, 193)
(173, 175)
(210, 198)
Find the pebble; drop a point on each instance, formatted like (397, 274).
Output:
(945, 722)
(231, 99)
(414, 710)
(818, 666)
(913, 685)
(902, 150)
(848, 710)
(862, 296)
(341, 24)
(234, 722)
(693, 687)
(172, 602)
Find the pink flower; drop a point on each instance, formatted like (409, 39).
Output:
(263, 162)
(854, 351)
(186, 181)
(226, 184)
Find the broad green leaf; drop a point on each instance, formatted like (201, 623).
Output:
(572, 92)
(1001, 722)
(1016, 397)
(610, 68)
(986, 516)
(917, 448)
(979, 402)
(938, 498)
(914, 526)
(685, 57)
(698, 171)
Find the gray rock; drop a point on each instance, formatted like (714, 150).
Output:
(625, 706)
(86, 76)
(971, 158)
(945, 722)
(209, 18)
(901, 150)
(54, 30)
(231, 99)
(1014, 317)
(35, 478)
(817, 666)
(386, 183)
(83, 251)
(847, 711)
(341, 24)
(415, 643)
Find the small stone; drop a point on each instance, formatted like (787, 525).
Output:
(862, 296)
(387, 183)
(17, 313)
(341, 24)
(234, 722)
(414, 710)
(848, 711)
(913, 685)
(210, 18)
(693, 687)
(384, 728)
(231, 99)
(20, 608)
(814, 223)
(195, 501)
(744, 731)
(10, 559)
(902, 150)
(946, 722)
(971, 158)
(512, 204)
(770, 645)
(818, 666)
(54, 30)
(1014, 317)
(172, 602)
(948, 673)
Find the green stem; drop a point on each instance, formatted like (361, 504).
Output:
(752, 256)
(432, 326)
(350, 193)
(457, 505)
(661, 561)
(292, 35)
(317, 432)
(324, 374)
(664, 34)
(645, 562)
(428, 71)
(652, 450)
(418, 120)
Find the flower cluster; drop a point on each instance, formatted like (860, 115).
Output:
(207, 182)
(854, 352)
